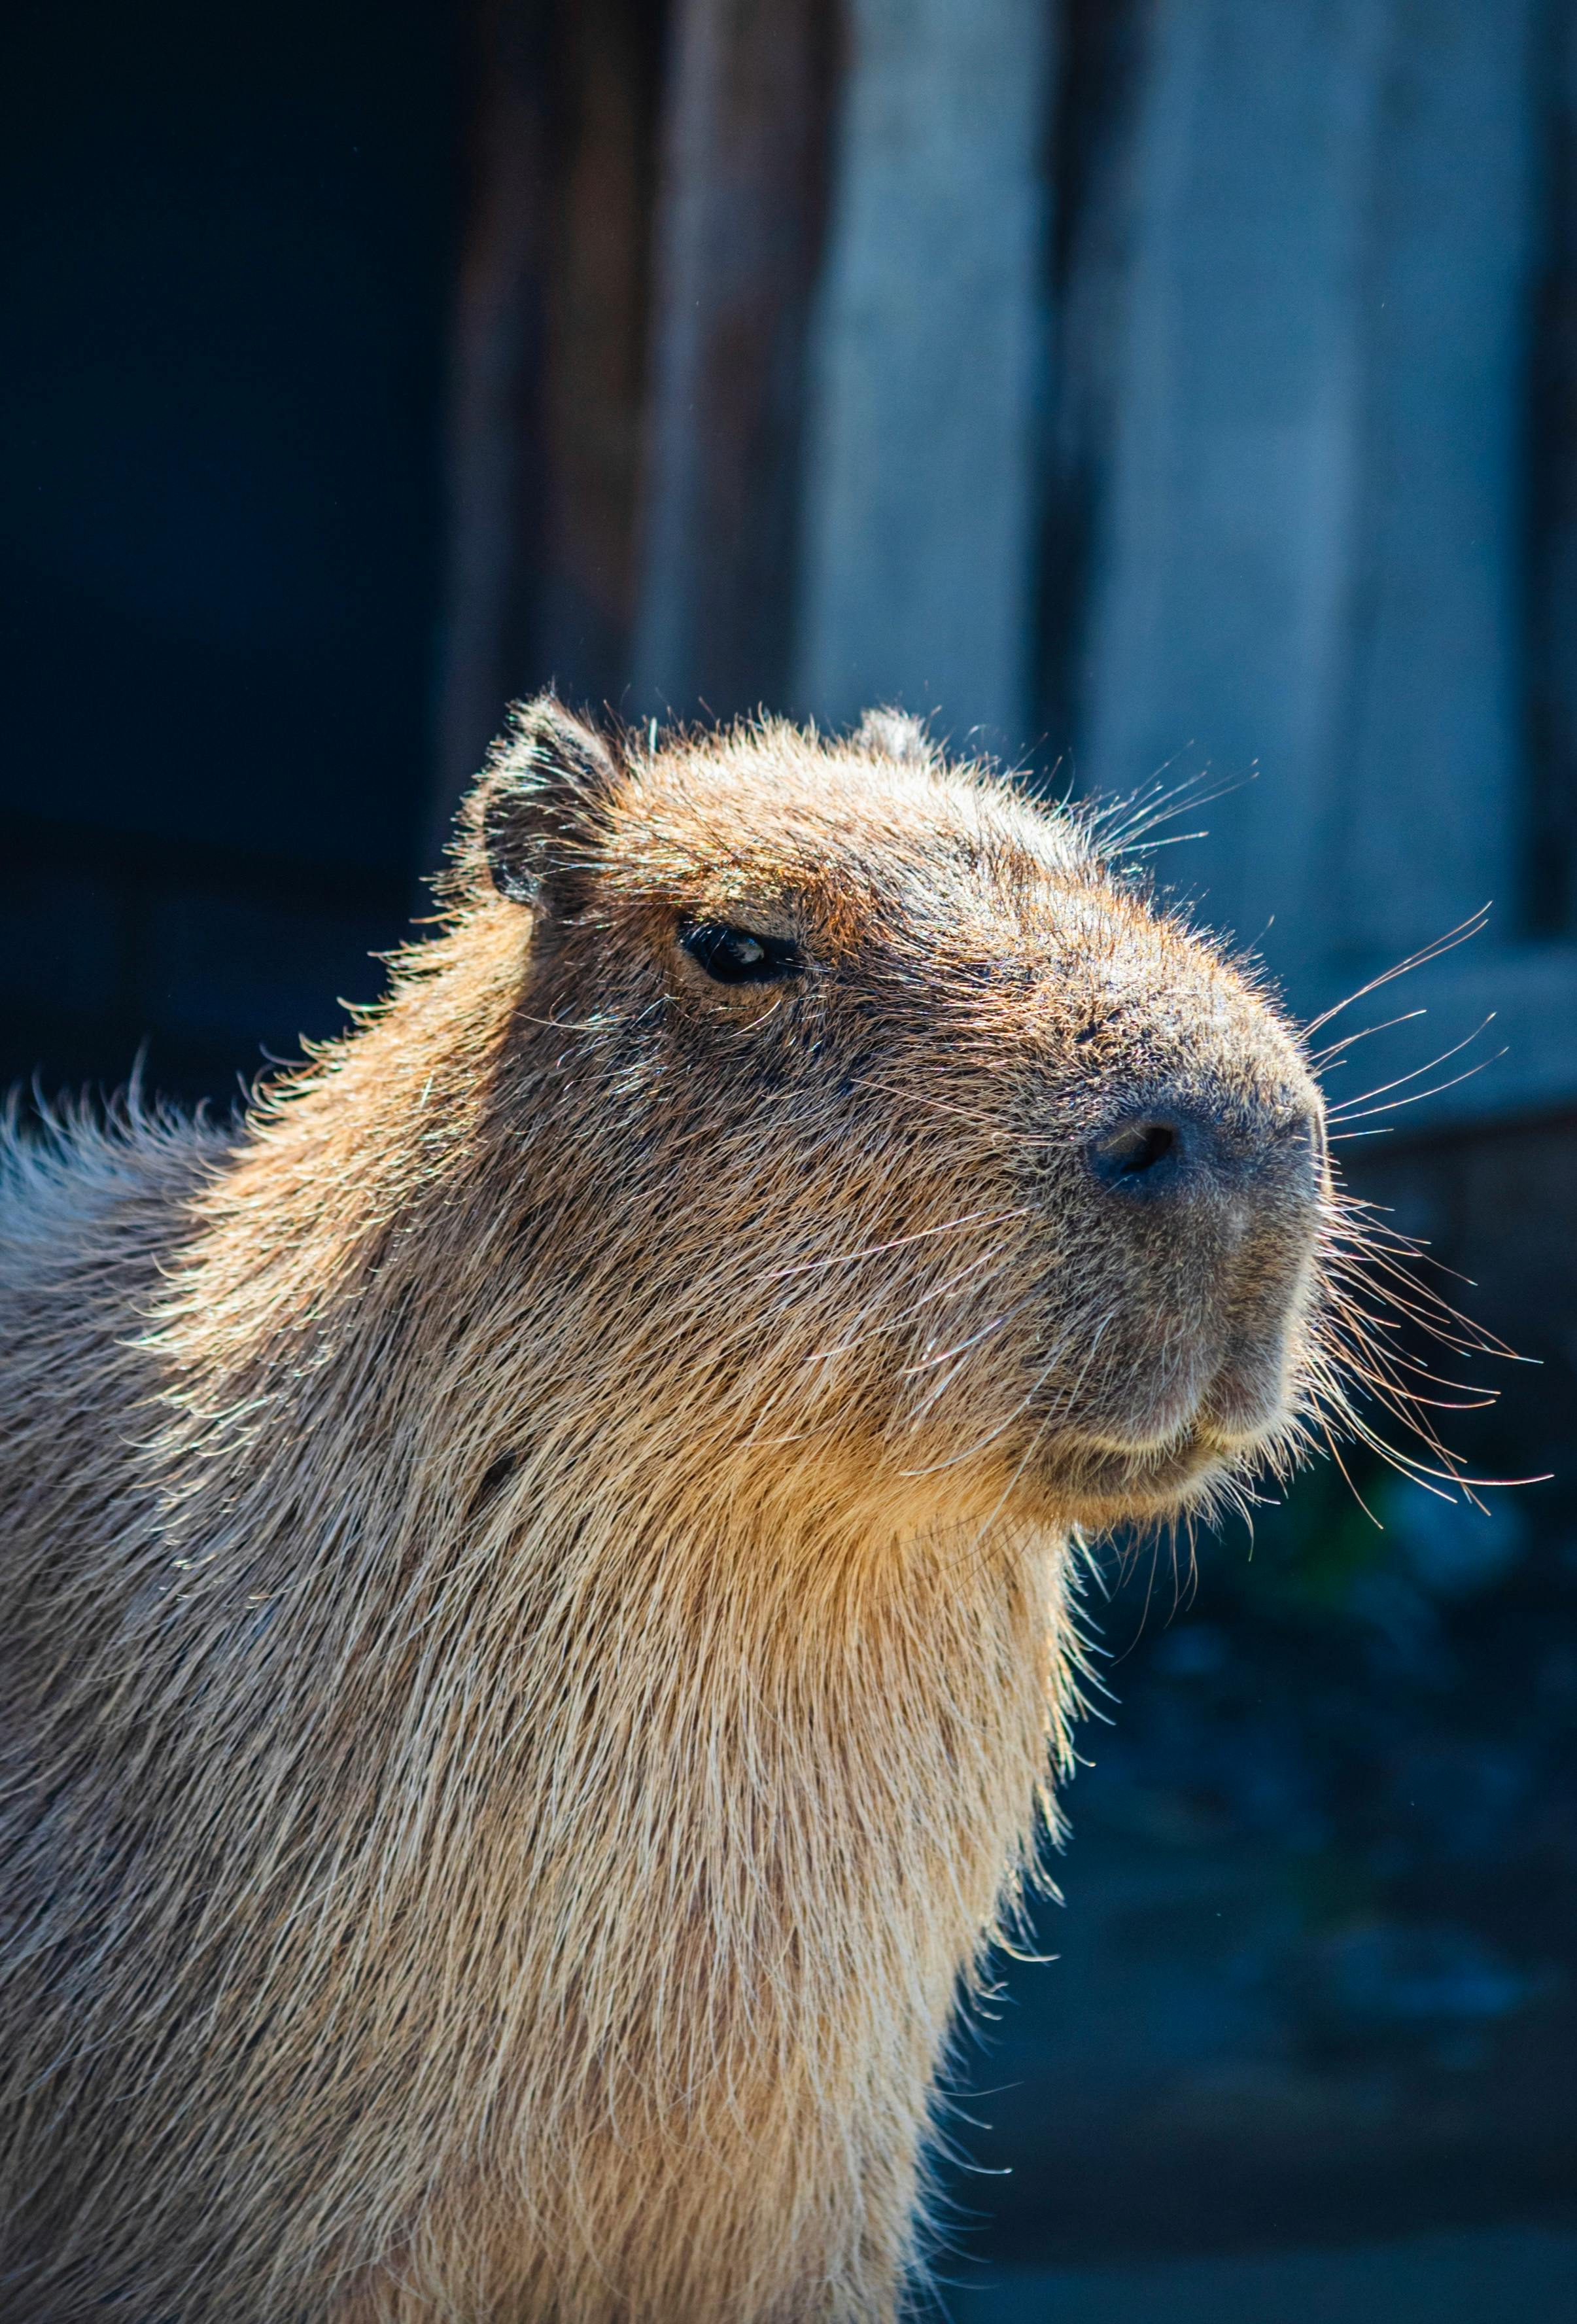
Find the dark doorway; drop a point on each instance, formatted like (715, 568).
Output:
(227, 269)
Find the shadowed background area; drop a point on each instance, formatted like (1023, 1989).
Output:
(227, 266)
(1125, 385)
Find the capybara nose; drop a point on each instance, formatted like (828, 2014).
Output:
(1176, 1155)
(1158, 1154)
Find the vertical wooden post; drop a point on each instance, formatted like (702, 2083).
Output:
(494, 479)
(547, 397)
(1219, 625)
(600, 321)
(1432, 780)
(1310, 568)
(743, 186)
(920, 520)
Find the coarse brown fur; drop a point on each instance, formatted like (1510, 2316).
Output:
(534, 1616)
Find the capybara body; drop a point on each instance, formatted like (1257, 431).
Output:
(534, 1603)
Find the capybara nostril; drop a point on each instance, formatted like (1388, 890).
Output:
(1152, 1155)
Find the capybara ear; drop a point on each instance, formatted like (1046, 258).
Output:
(896, 736)
(541, 805)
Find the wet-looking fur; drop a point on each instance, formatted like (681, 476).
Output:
(533, 1609)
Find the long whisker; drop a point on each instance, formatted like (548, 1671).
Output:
(1419, 1096)
(1320, 1059)
(1344, 1111)
(1440, 945)
(1116, 816)
(1147, 811)
(1174, 839)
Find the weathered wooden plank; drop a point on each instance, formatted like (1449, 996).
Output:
(493, 481)
(1433, 779)
(1100, 85)
(742, 202)
(606, 107)
(1311, 568)
(1220, 625)
(547, 393)
(928, 347)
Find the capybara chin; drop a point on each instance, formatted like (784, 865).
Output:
(535, 1618)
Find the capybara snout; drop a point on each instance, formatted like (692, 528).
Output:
(1213, 1200)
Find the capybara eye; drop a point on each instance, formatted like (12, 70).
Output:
(740, 955)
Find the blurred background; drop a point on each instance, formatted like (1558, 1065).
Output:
(1138, 388)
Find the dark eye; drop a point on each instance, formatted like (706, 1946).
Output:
(740, 955)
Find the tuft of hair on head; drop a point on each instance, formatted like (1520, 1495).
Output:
(534, 824)
(896, 734)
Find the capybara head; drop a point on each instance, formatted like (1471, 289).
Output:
(884, 1128)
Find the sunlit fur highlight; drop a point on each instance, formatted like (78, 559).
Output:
(535, 1625)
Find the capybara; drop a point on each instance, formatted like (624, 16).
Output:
(536, 1633)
